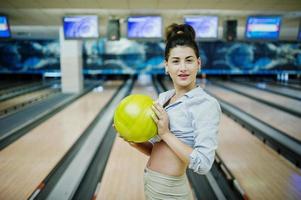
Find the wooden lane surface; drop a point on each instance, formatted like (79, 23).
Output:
(270, 97)
(123, 176)
(17, 86)
(279, 119)
(289, 83)
(260, 171)
(24, 98)
(26, 162)
(281, 88)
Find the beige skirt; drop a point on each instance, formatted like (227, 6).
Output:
(165, 187)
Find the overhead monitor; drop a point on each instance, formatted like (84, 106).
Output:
(80, 27)
(4, 27)
(204, 26)
(144, 27)
(263, 27)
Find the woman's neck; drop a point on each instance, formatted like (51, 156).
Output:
(180, 91)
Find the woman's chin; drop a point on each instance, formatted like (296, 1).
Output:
(183, 83)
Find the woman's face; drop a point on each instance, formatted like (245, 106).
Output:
(182, 66)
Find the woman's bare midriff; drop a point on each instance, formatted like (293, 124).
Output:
(165, 161)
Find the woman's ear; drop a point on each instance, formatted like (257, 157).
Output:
(166, 67)
(199, 63)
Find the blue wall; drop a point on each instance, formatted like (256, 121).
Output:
(130, 56)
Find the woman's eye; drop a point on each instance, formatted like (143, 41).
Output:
(175, 61)
(189, 61)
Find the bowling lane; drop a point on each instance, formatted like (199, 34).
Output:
(26, 162)
(123, 176)
(23, 99)
(279, 119)
(17, 86)
(260, 171)
(267, 96)
(275, 88)
(290, 84)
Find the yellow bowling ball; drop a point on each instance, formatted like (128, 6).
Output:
(132, 118)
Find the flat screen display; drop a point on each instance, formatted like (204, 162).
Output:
(80, 27)
(144, 27)
(204, 26)
(263, 27)
(4, 27)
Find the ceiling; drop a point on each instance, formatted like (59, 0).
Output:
(41, 13)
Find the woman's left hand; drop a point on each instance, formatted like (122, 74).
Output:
(161, 119)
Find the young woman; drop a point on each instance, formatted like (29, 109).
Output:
(187, 120)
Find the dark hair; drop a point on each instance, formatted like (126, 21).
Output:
(180, 35)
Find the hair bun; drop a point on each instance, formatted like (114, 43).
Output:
(177, 29)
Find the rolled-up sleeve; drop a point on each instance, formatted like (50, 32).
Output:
(155, 139)
(206, 124)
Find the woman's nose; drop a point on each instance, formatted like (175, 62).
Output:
(183, 66)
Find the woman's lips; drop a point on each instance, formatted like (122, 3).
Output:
(183, 76)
